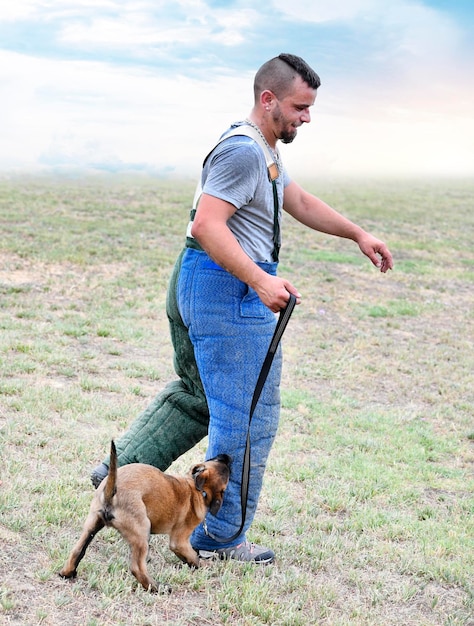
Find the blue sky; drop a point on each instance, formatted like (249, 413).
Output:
(148, 85)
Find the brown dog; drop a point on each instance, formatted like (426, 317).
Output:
(139, 500)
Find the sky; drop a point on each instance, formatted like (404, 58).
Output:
(149, 85)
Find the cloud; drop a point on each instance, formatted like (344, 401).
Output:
(148, 24)
(325, 10)
(47, 10)
(92, 111)
(399, 35)
(136, 84)
(21, 9)
(417, 146)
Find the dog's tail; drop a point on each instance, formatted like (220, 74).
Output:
(110, 488)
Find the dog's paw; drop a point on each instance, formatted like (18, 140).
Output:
(161, 588)
(67, 575)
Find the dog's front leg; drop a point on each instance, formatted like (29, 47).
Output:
(181, 546)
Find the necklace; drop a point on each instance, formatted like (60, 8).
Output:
(276, 154)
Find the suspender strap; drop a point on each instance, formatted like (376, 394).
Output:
(276, 223)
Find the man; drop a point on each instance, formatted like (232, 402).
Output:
(221, 302)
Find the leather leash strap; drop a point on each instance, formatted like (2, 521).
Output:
(283, 320)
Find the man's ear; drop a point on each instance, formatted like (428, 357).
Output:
(266, 99)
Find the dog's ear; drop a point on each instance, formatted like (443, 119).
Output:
(198, 475)
(223, 458)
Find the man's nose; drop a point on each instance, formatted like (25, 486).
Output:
(306, 116)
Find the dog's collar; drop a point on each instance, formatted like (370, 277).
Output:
(204, 494)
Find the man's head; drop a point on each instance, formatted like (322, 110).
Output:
(284, 88)
(279, 74)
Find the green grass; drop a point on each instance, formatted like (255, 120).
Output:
(368, 497)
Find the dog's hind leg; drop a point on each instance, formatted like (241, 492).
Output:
(92, 526)
(138, 567)
(137, 535)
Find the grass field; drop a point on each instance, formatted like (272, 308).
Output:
(368, 499)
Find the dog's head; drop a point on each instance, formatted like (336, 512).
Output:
(211, 479)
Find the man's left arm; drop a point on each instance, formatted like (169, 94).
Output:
(316, 214)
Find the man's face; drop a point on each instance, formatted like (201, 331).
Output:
(293, 110)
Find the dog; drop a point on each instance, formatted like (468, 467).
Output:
(139, 500)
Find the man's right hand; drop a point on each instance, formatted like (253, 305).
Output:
(274, 292)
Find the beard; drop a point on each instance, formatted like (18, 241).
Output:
(287, 134)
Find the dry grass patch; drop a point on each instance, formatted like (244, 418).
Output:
(368, 499)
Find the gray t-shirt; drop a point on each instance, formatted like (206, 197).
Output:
(236, 172)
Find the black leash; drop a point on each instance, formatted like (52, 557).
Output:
(283, 320)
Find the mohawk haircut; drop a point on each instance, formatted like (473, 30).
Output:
(278, 74)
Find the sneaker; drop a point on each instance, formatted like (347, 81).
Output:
(98, 474)
(245, 551)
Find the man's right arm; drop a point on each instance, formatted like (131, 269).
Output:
(215, 237)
